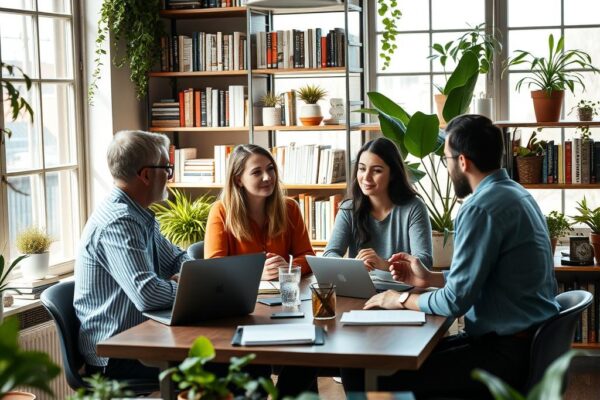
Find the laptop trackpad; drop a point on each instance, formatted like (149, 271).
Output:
(399, 287)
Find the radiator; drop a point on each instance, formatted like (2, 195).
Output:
(44, 337)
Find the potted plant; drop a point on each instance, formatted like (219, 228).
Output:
(550, 387)
(101, 388)
(529, 160)
(586, 109)
(310, 113)
(198, 383)
(4, 274)
(476, 41)
(591, 218)
(20, 368)
(551, 76)
(182, 220)
(390, 14)
(558, 226)
(271, 114)
(35, 243)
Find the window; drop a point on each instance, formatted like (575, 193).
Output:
(41, 163)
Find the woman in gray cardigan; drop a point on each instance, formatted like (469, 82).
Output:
(385, 215)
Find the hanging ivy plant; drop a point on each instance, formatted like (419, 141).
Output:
(136, 23)
(15, 101)
(388, 10)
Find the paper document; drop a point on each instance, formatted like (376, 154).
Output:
(268, 287)
(383, 317)
(272, 334)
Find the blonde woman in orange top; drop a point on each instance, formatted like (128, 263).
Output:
(253, 215)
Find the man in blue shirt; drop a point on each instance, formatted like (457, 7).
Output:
(125, 266)
(501, 278)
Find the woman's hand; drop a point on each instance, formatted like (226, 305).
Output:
(272, 264)
(409, 269)
(372, 260)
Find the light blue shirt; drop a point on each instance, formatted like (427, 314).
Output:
(502, 272)
(122, 268)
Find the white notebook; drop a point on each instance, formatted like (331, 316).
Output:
(273, 334)
(383, 317)
(268, 287)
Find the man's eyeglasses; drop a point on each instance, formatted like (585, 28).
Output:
(168, 168)
(445, 159)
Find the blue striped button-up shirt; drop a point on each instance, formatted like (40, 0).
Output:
(122, 269)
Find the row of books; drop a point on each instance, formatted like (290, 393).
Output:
(203, 51)
(319, 214)
(304, 49)
(190, 169)
(288, 107)
(191, 4)
(588, 327)
(575, 161)
(310, 164)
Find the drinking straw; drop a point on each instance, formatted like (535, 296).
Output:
(290, 267)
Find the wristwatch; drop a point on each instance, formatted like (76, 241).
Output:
(402, 299)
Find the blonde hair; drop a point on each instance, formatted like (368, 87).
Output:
(237, 220)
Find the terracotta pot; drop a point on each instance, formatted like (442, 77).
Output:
(553, 242)
(546, 105)
(595, 240)
(530, 169)
(17, 395)
(440, 102)
(310, 114)
(442, 255)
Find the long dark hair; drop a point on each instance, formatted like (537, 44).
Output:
(399, 188)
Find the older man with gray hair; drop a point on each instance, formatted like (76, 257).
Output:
(125, 266)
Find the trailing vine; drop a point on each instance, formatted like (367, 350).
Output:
(388, 10)
(16, 102)
(137, 23)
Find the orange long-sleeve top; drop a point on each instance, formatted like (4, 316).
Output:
(218, 242)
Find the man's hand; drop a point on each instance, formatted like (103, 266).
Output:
(175, 278)
(272, 264)
(387, 300)
(409, 269)
(372, 260)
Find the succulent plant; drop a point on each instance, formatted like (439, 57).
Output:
(270, 100)
(33, 241)
(311, 94)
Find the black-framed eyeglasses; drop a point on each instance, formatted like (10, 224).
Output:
(168, 168)
(445, 159)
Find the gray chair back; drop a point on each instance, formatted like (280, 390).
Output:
(196, 250)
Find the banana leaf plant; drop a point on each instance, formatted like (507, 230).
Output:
(420, 136)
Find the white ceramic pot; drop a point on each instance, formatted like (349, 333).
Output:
(442, 255)
(310, 114)
(35, 266)
(271, 116)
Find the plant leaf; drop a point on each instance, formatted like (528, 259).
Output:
(422, 134)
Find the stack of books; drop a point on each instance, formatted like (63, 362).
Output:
(310, 164)
(199, 170)
(165, 113)
(211, 107)
(31, 290)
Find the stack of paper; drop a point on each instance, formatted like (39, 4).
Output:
(268, 287)
(273, 334)
(383, 317)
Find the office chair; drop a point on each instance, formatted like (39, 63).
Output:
(196, 250)
(554, 337)
(58, 301)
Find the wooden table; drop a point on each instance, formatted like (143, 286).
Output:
(381, 350)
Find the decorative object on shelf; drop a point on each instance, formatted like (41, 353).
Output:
(138, 25)
(586, 109)
(310, 113)
(182, 220)
(420, 136)
(484, 106)
(550, 387)
(580, 251)
(271, 114)
(336, 111)
(4, 274)
(7, 301)
(199, 383)
(529, 160)
(551, 75)
(13, 98)
(591, 218)
(558, 226)
(34, 242)
(20, 368)
(480, 48)
(101, 388)
(390, 14)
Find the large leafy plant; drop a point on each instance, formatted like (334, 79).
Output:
(183, 220)
(558, 71)
(191, 376)
(549, 388)
(22, 368)
(135, 24)
(588, 216)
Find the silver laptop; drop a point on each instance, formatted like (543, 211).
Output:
(351, 278)
(214, 288)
